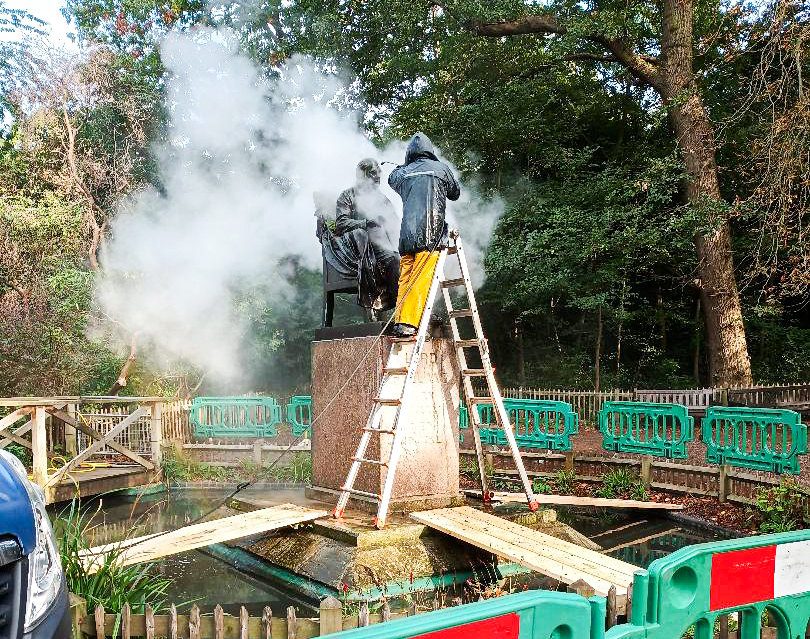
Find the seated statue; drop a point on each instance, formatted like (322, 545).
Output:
(362, 246)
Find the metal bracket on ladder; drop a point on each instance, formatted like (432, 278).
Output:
(397, 380)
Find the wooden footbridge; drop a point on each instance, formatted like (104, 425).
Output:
(65, 433)
(555, 558)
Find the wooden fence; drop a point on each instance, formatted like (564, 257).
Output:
(587, 404)
(175, 421)
(219, 625)
(720, 481)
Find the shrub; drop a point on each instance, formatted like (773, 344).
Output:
(781, 507)
(564, 481)
(622, 484)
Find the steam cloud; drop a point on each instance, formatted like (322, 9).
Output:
(244, 157)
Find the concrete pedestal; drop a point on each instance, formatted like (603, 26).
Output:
(427, 473)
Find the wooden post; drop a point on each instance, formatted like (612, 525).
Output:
(331, 616)
(173, 625)
(149, 621)
(39, 447)
(194, 623)
(157, 433)
(244, 620)
(99, 619)
(125, 622)
(569, 461)
(722, 491)
(723, 626)
(386, 612)
(219, 622)
(362, 618)
(646, 476)
(257, 452)
(611, 610)
(78, 611)
(292, 624)
(267, 623)
(71, 441)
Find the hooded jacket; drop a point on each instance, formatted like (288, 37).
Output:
(424, 184)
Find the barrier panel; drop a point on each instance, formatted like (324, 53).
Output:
(758, 438)
(646, 427)
(235, 417)
(540, 424)
(526, 615)
(695, 585)
(299, 414)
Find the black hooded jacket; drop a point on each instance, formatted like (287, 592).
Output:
(424, 184)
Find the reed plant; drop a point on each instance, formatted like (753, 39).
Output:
(109, 584)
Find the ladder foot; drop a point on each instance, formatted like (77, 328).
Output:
(379, 523)
(338, 513)
(534, 505)
(486, 496)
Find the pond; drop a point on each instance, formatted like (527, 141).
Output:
(202, 578)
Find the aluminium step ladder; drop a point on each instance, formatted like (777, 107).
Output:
(396, 383)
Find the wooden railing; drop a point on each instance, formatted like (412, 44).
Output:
(86, 430)
(218, 625)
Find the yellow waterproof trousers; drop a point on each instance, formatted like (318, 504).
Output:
(415, 276)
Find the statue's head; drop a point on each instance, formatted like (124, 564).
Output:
(368, 173)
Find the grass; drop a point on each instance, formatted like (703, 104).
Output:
(111, 585)
(622, 484)
(178, 468)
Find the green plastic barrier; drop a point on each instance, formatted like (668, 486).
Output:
(646, 427)
(299, 415)
(759, 438)
(526, 615)
(696, 584)
(541, 424)
(235, 417)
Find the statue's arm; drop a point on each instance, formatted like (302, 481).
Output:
(345, 213)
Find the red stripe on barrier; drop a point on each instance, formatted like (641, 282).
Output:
(742, 577)
(503, 627)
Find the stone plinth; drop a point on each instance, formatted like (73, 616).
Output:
(427, 473)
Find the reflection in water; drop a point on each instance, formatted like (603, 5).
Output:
(197, 577)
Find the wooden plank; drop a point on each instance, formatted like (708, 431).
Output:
(569, 500)
(532, 549)
(150, 547)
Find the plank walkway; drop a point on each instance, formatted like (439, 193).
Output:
(570, 500)
(532, 549)
(150, 547)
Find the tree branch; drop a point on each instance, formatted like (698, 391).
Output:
(121, 382)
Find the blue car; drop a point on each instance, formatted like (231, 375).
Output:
(33, 593)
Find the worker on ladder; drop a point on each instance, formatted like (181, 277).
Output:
(424, 184)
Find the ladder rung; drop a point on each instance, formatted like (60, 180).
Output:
(481, 400)
(369, 461)
(474, 372)
(388, 401)
(467, 342)
(465, 312)
(397, 370)
(452, 250)
(379, 430)
(360, 492)
(451, 283)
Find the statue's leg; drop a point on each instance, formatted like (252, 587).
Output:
(329, 308)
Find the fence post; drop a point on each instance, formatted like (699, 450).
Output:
(39, 447)
(569, 461)
(71, 443)
(257, 452)
(722, 489)
(157, 434)
(331, 616)
(78, 612)
(646, 462)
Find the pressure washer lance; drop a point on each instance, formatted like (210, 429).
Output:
(242, 486)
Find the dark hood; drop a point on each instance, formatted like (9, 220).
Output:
(419, 147)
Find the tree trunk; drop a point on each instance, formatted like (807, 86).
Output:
(729, 363)
(696, 355)
(597, 356)
(521, 359)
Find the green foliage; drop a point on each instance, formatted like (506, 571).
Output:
(541, 487)
(110, 585)
(780, 508)
(564, 481)
(295, 469)
(622, 484)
